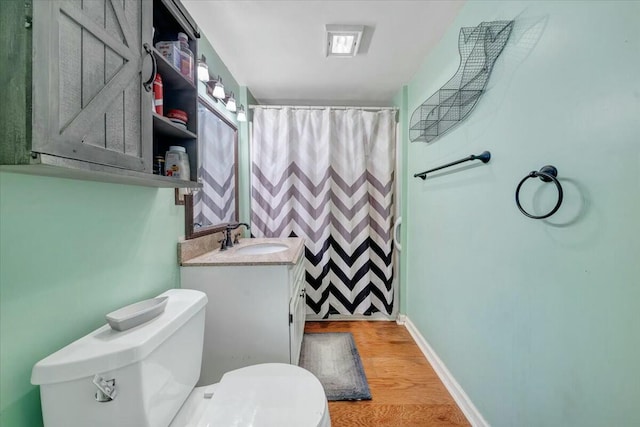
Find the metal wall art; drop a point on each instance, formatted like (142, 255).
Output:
(479, 48)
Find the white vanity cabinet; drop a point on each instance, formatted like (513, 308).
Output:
(255, 313)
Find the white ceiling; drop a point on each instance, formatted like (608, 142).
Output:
(276, 48)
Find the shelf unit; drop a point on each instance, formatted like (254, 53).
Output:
(101, 125)
(179, 91)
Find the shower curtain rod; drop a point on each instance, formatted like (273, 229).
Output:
(321, 107)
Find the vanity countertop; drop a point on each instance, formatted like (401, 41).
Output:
(231, 256)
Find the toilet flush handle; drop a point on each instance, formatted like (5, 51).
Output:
(106, 389)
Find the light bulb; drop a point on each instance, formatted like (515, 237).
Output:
(231, 103)
(242, 117)
(218, 90)
(203, 72)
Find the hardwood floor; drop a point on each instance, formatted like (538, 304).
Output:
(406, 392)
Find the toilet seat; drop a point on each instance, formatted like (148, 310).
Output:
(264, 395)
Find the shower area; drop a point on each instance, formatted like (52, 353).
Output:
(328, 175)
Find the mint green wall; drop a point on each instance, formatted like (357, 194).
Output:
(218, 68)
(244, 157)
(244, 97)
(537, 320)
(70, 252)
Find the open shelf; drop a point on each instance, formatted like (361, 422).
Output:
(170, 75)
(167, 128)
(179, 92)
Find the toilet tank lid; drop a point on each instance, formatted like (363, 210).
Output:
(105, 349)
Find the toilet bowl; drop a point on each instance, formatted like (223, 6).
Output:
(266, 395)
(146, 376)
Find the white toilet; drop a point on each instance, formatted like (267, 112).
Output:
(147, 374)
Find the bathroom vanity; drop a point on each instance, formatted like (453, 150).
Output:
(256, 308)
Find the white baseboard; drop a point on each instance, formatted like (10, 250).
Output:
(348, 317)
(466, 405)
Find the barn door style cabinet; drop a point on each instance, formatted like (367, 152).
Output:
(80, 103)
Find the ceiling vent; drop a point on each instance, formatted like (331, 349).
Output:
(343, 41)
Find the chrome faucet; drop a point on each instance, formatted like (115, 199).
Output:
(227, 242)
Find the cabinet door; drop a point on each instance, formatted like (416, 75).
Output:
(89, 103)
(297, 310)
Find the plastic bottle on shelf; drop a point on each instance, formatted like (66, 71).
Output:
(158, 165)
(176, 163)
(186, 61)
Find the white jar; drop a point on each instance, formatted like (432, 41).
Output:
(176, 163)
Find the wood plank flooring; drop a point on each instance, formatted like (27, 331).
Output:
(406, 392)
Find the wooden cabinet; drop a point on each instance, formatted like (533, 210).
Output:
(255, 314)
(80, 108)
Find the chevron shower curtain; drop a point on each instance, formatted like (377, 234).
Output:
(215, 203)
(327, 175)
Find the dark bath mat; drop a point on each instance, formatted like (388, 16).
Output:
(334, 359)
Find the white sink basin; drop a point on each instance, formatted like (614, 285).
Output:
(262, 248)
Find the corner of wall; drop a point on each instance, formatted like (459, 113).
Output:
(244, 157)
(400, 101)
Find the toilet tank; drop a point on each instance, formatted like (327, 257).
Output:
(155, 366)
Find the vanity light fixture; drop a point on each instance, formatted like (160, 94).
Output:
(215, 88)
(218, 88)
(203, 75)
(203, 70)
(343, 41)
(230, 102)
(242, 116)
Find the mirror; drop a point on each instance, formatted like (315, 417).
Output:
(210, 208)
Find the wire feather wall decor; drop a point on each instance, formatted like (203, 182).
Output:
(479, 48)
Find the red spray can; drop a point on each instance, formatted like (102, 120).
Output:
(157, 94)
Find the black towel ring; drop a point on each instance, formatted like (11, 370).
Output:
(547, 174)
